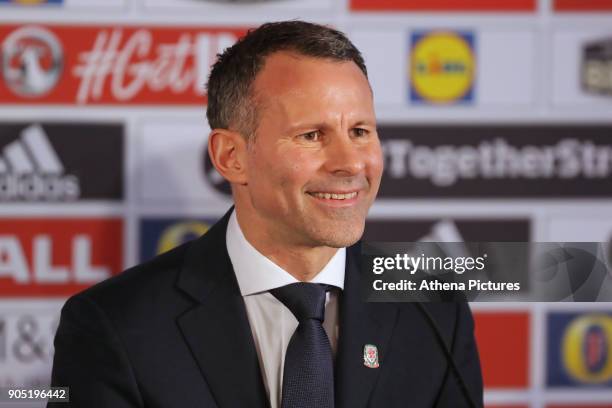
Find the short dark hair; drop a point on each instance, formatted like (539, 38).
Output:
(230, 96)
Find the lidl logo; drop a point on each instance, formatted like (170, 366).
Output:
(442, 67)
(580, 349)
(161, 235)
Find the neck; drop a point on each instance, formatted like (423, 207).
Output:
(300, 261)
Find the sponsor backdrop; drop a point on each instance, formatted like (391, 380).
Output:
(495, 119)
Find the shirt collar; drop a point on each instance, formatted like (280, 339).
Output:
(256, 273)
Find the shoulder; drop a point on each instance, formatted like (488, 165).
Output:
(135, 292)
(159, 270)
(151, 289)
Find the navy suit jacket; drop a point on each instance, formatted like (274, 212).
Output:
(173, 332)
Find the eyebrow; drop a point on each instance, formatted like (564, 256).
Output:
(322, 125)
(364, 123)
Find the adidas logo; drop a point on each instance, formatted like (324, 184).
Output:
(30, 170)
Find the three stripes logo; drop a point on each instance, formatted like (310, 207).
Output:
(30, 170)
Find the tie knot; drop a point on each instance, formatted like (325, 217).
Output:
(305, 300)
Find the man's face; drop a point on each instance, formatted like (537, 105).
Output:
(315, 165)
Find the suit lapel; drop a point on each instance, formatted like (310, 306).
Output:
(217, 330)
(361, 323)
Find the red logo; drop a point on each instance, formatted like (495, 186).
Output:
(581, 405)
(595, 348)
(505, 406)
(31, 61)
(58, 257)
(110, 65)
(508, 331)
(444, 5)
(583, 5)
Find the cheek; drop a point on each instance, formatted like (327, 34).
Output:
(296, 167)
(374, 160)
(285, 173)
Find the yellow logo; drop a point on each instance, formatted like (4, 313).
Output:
(180, 233)
(442, 67)
(33, 2)
(587, 349)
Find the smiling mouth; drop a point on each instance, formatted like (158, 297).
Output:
(334, 196)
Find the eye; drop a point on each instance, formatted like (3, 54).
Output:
(360, 132)
(313, 136)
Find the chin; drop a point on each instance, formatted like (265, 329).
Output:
(338, 237)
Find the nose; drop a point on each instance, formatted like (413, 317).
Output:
(344, 156)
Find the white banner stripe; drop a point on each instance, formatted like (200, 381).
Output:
(39, 146)
(18, 159)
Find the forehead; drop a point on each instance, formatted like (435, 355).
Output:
(291, 81)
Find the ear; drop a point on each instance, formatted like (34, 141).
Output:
(227, 150)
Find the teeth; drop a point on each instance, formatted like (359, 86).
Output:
(334, 196)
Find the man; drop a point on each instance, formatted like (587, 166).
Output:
(264, 309)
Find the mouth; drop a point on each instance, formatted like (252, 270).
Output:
(334, 195)
(335, 199)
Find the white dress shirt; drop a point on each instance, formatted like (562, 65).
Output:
(272, 323)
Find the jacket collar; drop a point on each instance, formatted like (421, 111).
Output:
(361, 324)
(218, 333)
(217, 329)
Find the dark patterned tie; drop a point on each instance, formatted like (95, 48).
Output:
(308, 378)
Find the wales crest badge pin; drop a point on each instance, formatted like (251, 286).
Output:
(370, 356)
